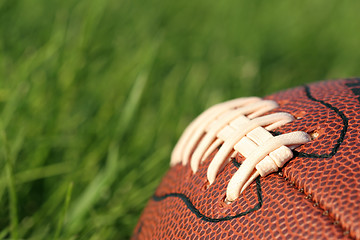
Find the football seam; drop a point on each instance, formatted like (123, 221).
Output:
(344, 119)
(334, 150)
(200, 215)
(316, 204)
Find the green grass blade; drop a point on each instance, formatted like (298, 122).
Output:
(64, 212)
(13, 200)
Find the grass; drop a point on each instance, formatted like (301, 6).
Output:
(94, 94)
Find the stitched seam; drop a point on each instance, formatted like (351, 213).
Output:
(331, 154)
(310, 198)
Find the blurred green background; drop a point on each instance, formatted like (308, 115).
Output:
(94, 94)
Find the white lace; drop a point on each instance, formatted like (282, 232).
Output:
(240, 126)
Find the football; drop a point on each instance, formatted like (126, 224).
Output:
(286, 166)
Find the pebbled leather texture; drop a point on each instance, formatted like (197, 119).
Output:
(316, 195)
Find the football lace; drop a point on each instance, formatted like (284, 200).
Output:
(238, 126)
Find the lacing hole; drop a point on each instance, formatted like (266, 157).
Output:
(315, 133)
(282, 102)
(227, 202)
(325, 213)
(299, 115)
(189, 174)
(205, 186)
(222, 203)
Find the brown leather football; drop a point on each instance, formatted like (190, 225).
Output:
(283, 167)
